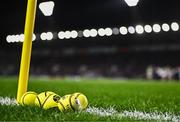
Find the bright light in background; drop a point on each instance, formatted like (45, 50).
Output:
(9, 38)
(49, 36)
(108, 32)
(67, 35)
(101, 32)
(139, 29)
(43, 36)
(131, 3)
(61, 35)
(123, 30)
(148, 28)
(34, 37)
(80, 33)
(131, 29)
(17, 38)
(115, 31)
(21, 37)
(47, 8)
(13, 38)
(165, 27)
(93, 32)
(74, 34)
(86, 33)
(156, 28)
(175, 26)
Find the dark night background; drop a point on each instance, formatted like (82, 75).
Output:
(134, 52)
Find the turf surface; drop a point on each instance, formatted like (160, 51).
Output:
(140, 95)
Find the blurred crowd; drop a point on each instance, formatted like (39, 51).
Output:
(163, 73)
(110, 66)
(85, 70)
(98, 70)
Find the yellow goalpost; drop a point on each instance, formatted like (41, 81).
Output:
(26, 49)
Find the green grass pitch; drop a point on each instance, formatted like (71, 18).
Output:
(123, 95)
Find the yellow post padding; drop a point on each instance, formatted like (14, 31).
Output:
(26, 49)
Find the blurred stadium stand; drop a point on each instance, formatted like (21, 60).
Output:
(93, 62)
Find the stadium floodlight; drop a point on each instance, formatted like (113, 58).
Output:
(86, 33)
(67, 35)
(139, 29)
(93, 32)
(61, 35)
(16, 38)
(47, 8)
(131, 3)
(131, 29)
(13, 38)
(49, 36)
(43, 36)
(156, 28)
(175, 26)
(165, 27)
(148, 28)
(8, 39)
(34, 37)
(74, 34)
(21, 37)
(108, 32)
(80, 33)
(101, 32)
(115, 31)
(123, 30)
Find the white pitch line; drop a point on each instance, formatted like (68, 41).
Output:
(111, 112)
(7, 101)
(135, 115)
